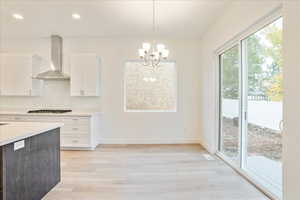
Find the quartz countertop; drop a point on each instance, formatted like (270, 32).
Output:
(13, 131)
(73, 113)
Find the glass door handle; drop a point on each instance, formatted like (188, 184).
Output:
(281, 126)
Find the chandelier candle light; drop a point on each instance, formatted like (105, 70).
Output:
(153, 54)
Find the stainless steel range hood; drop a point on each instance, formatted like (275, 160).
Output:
(55, 73)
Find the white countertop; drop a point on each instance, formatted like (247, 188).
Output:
(14, 131)
(73, 113)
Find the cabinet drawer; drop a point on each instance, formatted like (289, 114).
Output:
(75, 128)
(76, 121)
(75, 141)
(75, 134)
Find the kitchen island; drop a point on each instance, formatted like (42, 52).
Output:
(29, 159)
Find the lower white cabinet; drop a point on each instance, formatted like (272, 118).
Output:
(78, 132)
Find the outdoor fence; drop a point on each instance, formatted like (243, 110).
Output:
(266, 114)
(258, 98)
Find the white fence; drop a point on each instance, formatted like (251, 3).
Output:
(262, 113)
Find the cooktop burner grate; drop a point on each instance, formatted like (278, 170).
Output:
(49, 111)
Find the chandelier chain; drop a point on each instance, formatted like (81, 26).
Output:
(153, 54)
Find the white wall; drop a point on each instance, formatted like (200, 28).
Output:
(238, 17)
(120, 127)
(291, 150)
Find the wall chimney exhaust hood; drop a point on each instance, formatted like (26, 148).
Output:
(55, 73)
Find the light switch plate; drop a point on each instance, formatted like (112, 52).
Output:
(19, 145)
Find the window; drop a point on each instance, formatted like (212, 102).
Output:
(150, 90)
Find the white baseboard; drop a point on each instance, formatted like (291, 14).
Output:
(149, 141)
(207, 147)
(77, 148)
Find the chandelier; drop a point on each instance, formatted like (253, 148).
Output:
(152, 54)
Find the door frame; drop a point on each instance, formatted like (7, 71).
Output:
(239, 39)
(233, 45)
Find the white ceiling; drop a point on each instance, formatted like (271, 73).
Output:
(109, 18)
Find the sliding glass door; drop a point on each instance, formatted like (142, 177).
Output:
(229, 107)
(263, 146)
(251, 96)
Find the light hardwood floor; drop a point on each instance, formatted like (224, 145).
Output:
(148, 172)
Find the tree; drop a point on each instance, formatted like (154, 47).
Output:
(255, 59)
(264, 64)
(275, 91)
(274, 51)
(230, 73)
(230, 66)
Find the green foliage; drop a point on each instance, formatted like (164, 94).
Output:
(264, 61)
(255, 60)
(230, 63)
(274, 51)
(275, 91)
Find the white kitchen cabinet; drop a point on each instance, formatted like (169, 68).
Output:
(16, 75)
(78, 132)
(85, 75)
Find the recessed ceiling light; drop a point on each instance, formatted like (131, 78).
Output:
(76, 16)
(18, 16)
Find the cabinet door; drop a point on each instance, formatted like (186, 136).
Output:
(77, 73)
(16, 75)
(91, 76)
(85, 75)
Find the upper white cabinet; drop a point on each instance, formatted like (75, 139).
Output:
(16, 73)
(85, 75)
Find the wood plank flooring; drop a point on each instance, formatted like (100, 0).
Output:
(148, 172)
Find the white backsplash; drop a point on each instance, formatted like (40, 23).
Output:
(55, 94)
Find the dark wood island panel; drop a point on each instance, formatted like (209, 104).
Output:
(30, 172)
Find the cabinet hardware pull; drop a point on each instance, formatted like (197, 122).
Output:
(281, 126)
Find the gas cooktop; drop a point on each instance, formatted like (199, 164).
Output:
(49, 111)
